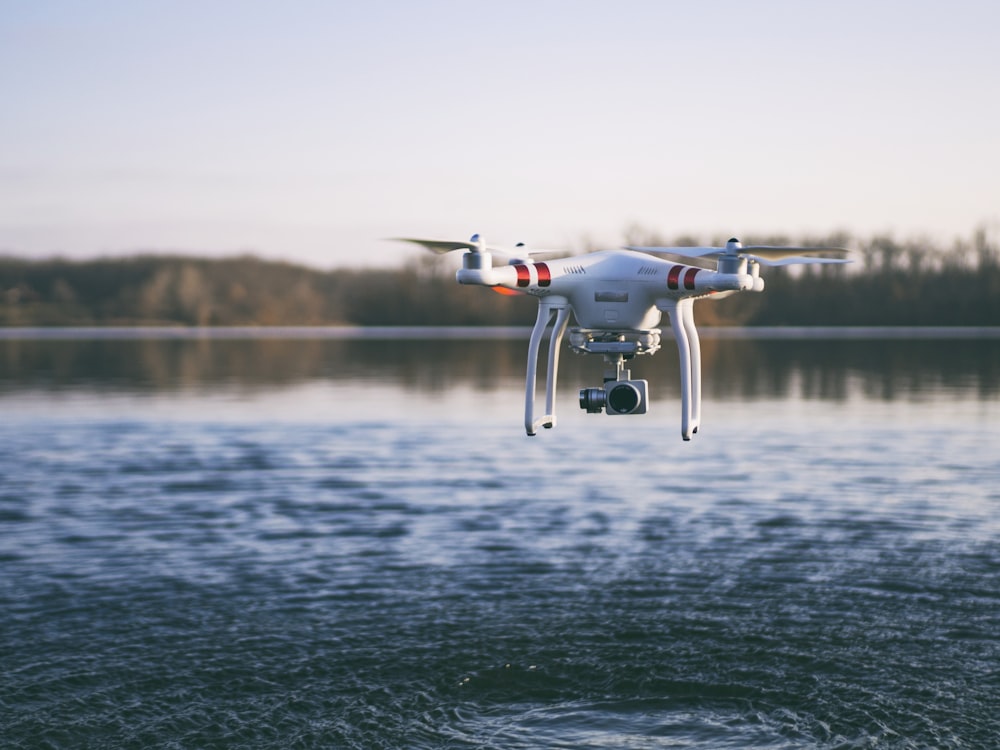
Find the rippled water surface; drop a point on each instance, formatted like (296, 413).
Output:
(354, 545)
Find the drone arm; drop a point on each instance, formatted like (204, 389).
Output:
(478, 271)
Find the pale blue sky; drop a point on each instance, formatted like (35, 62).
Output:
(310, 130)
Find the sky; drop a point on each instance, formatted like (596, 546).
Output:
(311, 131)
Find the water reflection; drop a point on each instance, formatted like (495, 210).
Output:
(744, 369)
(832, 369)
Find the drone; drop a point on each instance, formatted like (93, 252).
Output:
(617, 298)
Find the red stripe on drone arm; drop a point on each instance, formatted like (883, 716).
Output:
(674, 276)
(544, 275)
(523, 274)
(689, 278)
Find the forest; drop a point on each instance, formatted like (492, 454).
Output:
(890, 283)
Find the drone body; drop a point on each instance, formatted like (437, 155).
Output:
(617, 298)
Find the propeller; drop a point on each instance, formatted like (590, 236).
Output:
(475, 244)
(440, 247)
(766, 255)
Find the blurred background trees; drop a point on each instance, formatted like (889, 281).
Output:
(891, 282)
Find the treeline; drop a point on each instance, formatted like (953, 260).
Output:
(245, 290)
(890, 283)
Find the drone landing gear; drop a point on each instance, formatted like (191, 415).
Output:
(546, 307)
(681, 314)
(682, 324)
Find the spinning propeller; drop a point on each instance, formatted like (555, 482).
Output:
(476, 245)
(766, 255)
(440, 247)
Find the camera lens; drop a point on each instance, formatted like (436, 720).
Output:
(592, 399)
(623, 399)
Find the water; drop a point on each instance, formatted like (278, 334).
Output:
(352, 544)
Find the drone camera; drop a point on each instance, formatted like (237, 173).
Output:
(618, 397)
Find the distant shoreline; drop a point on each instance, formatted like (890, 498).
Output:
(474, 332)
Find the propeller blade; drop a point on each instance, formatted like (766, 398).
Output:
(796, 260)
(775, 252)
(538, 254)
(439, 246)
(684, 252)
(766, 255)
(523, 251)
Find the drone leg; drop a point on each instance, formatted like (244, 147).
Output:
(686, 310)
(541, 323)
(558, 329)
(546, 308)
(676, 312)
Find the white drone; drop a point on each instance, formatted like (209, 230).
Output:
(617, 298)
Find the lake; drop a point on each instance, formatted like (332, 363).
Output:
(344, 541)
